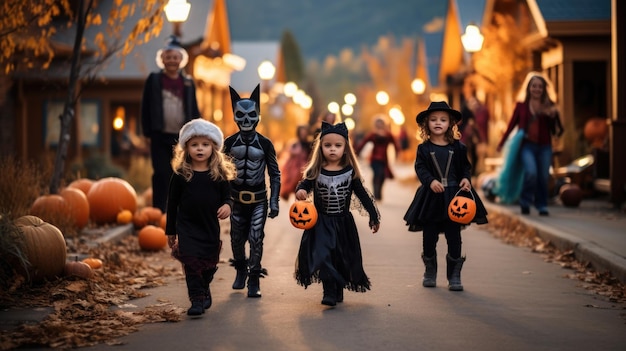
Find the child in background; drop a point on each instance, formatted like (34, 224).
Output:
(443, 168)
(381, 138)
(199, 196)
(330, 252)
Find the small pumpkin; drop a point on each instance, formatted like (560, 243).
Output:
(303, 214)
(92, 262)
(154, 214)
(152, 238)
(140, 220)
(44, 246)
(78, 269)
(462, 209)
(124, 217)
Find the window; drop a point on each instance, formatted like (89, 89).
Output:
(89, 124)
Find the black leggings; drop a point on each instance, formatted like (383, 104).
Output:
(451, 230)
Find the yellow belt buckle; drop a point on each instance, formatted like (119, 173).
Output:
(249, 193)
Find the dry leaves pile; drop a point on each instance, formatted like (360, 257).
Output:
(85, 312)
(512, 231)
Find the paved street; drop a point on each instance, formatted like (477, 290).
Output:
(513, 300)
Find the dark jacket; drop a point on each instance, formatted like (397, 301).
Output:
(152, 103)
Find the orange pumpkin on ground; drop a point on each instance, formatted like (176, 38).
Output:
(154, 214)
(78, 269)
(78, 206)
(94, 263)
(50, 208)
(462, 209)
(152, 238)
(303, 214)
(82, 184)
(44, 246)
(108, 196)
(124, 217)
(140, 220)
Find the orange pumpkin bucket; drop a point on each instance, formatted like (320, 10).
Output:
(302, 214)
(462, 209)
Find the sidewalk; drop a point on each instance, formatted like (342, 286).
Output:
(594, 230)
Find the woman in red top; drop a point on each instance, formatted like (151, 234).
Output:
(380, 137)
(539, 117)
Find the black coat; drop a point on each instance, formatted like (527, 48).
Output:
(152, 120)
(430, 207)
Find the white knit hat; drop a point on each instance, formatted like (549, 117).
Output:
(200, 127)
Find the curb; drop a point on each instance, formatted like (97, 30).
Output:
(600, 259)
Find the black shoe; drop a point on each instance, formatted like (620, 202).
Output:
(329, 300)
(196, 309)
(339, 293)
(254, 288)
(240, 279)
(544, 213)
(525, 210)
(208, 300)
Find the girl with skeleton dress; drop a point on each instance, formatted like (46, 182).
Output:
(330, 252)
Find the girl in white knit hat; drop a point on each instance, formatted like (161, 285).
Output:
(199, 196)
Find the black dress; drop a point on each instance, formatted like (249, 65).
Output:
(428, 206)
(192, 214)
(333, 245)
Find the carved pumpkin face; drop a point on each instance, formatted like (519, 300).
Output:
(302, 214)
(462, 209)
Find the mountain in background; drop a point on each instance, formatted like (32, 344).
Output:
(325, 27)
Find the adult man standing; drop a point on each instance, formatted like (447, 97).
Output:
(252, 153)
(168, 102)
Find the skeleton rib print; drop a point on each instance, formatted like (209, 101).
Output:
(334, 191)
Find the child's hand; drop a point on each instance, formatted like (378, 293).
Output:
(465, 184)
(436, 186)
(171, 240)
(375, 227)
(223, 212)
(301, 194)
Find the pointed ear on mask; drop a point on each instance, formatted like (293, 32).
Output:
(234, 97)
(256, 97)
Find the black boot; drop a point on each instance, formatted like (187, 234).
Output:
(254, 287)
(339, 293)
(430, 275)
(242, 273)
(208, 278)
(197, 308)
(454, 273)
(330, 292)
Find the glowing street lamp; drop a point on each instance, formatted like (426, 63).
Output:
(177, 12)
(382, 98)
(418, 86)
(472, 39)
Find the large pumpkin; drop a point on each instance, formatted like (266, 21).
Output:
(462, 209)
(303, 214)
(107, 197)
(44, 246)
(50, 208)
(78, 206)
(152, 238)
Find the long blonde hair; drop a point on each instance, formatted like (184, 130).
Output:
(221, 166)
(317, 162)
